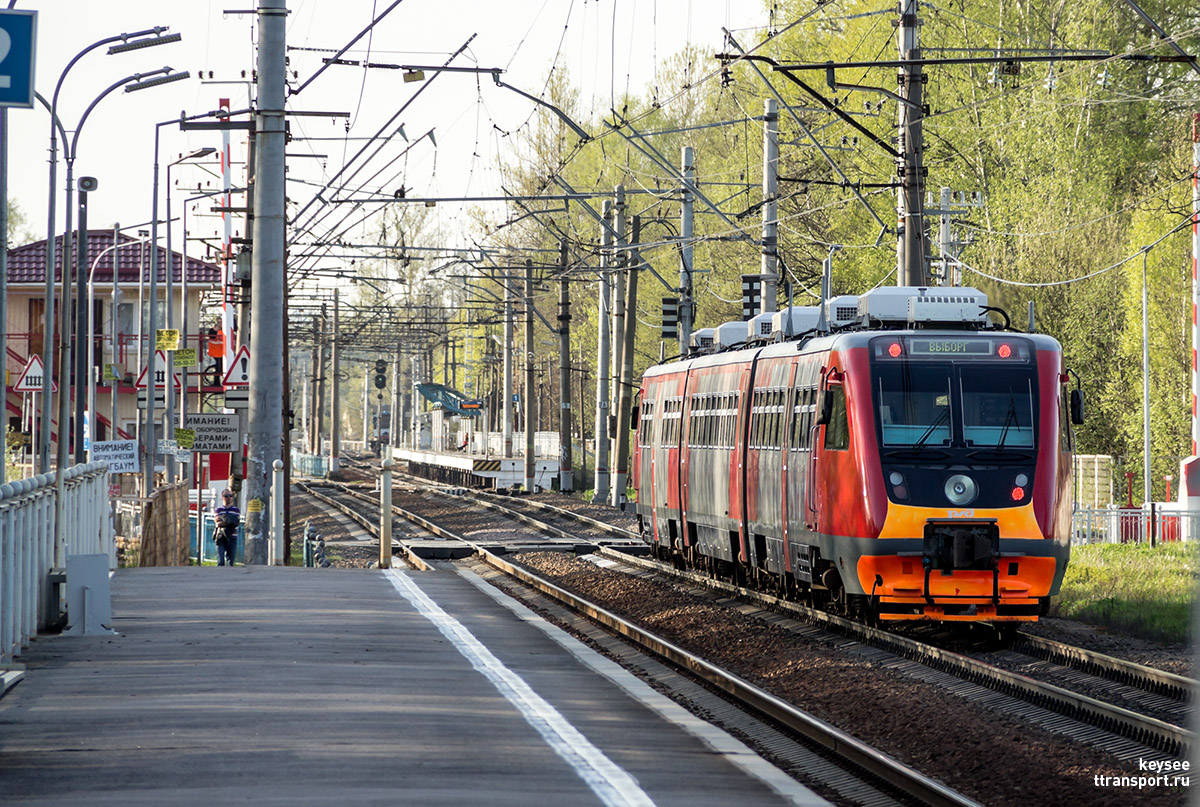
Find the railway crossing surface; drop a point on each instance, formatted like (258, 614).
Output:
(259, 685)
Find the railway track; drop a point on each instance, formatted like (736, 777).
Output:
(1124, 708)
(853, 770)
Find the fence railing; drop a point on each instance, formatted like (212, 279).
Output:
(310, 464)
(27, 545)
(1122, 525)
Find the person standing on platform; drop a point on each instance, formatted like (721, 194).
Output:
(228, 517)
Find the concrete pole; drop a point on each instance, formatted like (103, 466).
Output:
(620, 480)
(910, 247)
(530, 402)
(335, 395)
(618, 301)
(600, 488)
(566, 481)
(318, 380)
(416, 402)
(366, 410)
(268, 278)
(770, 208)
(506, 404)
(686, 232)
(385, 515)
(397, 402)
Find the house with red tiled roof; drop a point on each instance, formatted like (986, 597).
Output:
(121, 340)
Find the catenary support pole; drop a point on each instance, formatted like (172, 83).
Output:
(910, 247)
(566, 481)
(686, 232)
(530, 398)
(506, 409)
(632, 263)
(335, 394)
(268, 281)
(600, 486)
(770, 208)
(617, 275)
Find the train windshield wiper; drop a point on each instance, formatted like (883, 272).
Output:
(941, 419)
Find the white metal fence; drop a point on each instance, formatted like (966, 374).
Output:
(27, 545)
(1118, 525)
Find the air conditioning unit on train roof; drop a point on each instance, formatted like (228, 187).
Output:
(703, 340)
(730, 333)
(842, 310)
(759, 328)
(911, 305)
(795, 320)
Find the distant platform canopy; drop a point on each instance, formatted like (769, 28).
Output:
(450, 400)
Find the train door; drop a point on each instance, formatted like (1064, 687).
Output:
(791, 412)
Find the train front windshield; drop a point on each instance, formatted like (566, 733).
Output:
(954, 394)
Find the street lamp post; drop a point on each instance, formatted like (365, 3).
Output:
(135, 41)
(91, 352)
(204, 152)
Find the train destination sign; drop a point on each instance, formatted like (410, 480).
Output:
(952, 347)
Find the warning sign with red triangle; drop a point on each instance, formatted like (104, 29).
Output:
(238, 374)
(160, 373)
(32, 377)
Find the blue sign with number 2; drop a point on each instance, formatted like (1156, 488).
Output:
(18, 35)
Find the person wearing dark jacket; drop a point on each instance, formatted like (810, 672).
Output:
(228, 517)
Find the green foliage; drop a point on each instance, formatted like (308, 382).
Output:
(1132, 588)
(1081, 164)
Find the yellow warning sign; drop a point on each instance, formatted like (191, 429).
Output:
(166, 339)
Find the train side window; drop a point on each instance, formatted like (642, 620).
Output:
(837, 431)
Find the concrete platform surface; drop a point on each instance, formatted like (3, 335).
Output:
(288, 686)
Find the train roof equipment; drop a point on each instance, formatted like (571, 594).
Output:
(703, 339)
(920, 307)
(794, 321)
(729, 334)
(759, 328)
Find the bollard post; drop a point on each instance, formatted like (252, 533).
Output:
(385, 515)
(277, 536)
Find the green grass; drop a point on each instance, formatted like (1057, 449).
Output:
(1132, 589)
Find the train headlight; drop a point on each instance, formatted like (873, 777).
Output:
(1018, 491)
(961, 489)
(898, 488)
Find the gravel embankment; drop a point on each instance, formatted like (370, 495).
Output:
(1000, 761)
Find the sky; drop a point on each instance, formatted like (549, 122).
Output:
(608, 47)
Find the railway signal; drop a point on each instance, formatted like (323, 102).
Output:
(380, 374)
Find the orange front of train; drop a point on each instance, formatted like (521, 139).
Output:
(952, 499)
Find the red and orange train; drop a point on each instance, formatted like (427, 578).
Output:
(913, 467)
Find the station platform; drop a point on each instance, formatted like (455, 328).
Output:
(293, 686)
(476, 470)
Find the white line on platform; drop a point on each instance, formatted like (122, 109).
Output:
(716, 738)
(607, 780)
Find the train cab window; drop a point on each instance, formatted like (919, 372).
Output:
(998, 406)
(837, 431)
